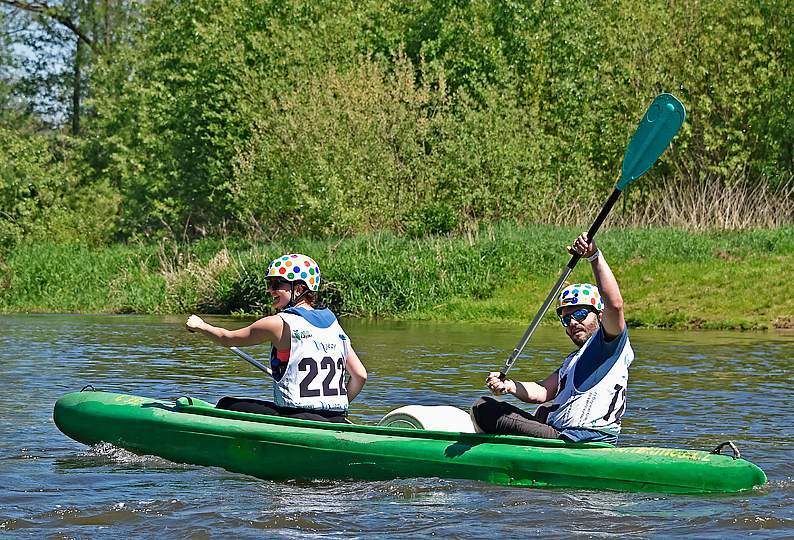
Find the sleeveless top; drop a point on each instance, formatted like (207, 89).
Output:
(595, 405)
(313, 377)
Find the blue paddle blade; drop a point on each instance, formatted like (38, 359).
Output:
(661, 122)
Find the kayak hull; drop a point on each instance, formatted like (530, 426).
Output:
(193, 431)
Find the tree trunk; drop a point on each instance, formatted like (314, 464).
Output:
(76, 87)
(106, 9)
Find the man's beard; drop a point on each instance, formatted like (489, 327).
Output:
(580, 341)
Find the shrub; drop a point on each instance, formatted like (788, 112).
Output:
(44, 196)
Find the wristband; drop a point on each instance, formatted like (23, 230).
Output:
(594, 256)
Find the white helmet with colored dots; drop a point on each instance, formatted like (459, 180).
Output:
(580, 294)
(296, 267)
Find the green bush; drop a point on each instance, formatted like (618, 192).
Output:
(43, 196)
(324, 118)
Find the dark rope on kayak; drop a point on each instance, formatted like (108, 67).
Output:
(91, 386)
(736, 453)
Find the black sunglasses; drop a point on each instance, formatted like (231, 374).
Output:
(579, 315)
(276, 284)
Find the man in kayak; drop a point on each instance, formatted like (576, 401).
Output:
(584, 399)
(310, 352)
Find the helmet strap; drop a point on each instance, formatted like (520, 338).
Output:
(292, 300)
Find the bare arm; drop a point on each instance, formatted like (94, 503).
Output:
(528, 392)
(357, 372)
(612, 318)
(266, 329)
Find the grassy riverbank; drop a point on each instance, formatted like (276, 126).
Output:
(669, 278)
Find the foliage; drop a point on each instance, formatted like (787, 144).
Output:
(43, 197)
(57, 43)
(200, 71)
(421, 117)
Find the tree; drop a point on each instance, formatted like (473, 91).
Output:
(60, 41)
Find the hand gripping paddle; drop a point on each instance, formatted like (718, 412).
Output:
(659, 125)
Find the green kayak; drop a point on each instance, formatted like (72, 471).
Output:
(193, 431)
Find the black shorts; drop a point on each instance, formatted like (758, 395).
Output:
(260, 406)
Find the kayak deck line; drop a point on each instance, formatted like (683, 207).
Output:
(189, 430)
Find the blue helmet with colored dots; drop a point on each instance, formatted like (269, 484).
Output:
(296, 267)
(580, 294)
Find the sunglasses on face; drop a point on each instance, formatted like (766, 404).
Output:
(579, 315)
(276, 284)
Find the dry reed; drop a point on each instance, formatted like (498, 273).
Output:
(713, 203)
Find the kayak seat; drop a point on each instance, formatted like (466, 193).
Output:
(434, 418)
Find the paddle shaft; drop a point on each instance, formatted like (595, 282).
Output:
(555, 290)
(251, 360)
(656, 130)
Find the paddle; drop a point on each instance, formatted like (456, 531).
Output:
(657, 128)
(251, 360)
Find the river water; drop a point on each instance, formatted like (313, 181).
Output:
(687, 390)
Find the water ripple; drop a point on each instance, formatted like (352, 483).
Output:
(688, 390)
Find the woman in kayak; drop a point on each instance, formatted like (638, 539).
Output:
(310, 352)
(584, 399)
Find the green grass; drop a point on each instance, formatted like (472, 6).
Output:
(669, 278)
(747, 294)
